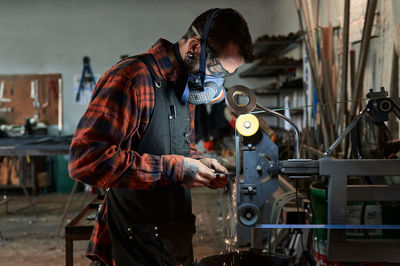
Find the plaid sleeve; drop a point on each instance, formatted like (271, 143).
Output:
(194, 153)
(99, 247)
(96, 156)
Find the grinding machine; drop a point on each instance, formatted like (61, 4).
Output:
(259, 171)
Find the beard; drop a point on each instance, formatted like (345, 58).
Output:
(193, 66)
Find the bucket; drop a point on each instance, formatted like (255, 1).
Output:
(320, 208)
(320, 251)
(244, 258)
(63, 182)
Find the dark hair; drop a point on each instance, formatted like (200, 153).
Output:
(227, 26)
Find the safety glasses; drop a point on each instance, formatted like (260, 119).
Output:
(214, 66)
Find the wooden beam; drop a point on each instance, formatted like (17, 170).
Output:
(394, 92)
(343, 86)
(317, 73)
(362, 60)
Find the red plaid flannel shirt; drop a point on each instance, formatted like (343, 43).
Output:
(102, 151)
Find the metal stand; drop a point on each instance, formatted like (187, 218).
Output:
(66, 209)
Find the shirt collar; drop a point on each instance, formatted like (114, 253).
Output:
(166, 60)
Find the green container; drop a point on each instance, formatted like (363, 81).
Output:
(391, 215)
(63, 182)
(320, 209)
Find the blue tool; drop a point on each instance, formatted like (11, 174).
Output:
(86, 77)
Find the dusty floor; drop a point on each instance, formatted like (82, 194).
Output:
(27, 239)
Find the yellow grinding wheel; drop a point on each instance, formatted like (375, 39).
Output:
(247, 125)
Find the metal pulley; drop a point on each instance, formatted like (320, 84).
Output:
(249, 214)
(247, 125)
(236, 105)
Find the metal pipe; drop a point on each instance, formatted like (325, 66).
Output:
(345, 132)
(237, 147)
(60, 107)
(296, 130)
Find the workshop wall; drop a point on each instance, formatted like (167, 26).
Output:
(283, 19)
(379, 64)
(280, 18)
(47, 36)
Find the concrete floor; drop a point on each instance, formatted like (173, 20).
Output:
(30, 240)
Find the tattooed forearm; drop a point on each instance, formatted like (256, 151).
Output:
(190, 171)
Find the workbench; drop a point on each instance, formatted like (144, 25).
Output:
(41, 145)
(80, 227)
(25, 146)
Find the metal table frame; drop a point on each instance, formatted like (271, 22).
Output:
(340, 248)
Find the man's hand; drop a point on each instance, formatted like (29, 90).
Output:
(213, 164)
(221, 180)
(196, 174)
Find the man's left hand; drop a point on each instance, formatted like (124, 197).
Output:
(213, 164)
(221, 180)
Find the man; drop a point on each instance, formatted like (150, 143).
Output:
(135, 139)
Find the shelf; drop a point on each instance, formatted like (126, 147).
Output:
(275, 91)
(292, 111)
(268, 48)
(266, 70)
(277, 45)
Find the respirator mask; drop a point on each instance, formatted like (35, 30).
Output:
(200, 87)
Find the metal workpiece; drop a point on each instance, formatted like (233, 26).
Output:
(345, 132)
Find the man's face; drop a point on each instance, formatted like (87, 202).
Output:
(227, 62)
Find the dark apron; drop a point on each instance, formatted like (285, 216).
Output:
(155, 226)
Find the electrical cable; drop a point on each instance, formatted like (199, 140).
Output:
(298, 216)
(276, 213)
(305, 253)
(276, 202)
(281, 205)
(273, 215)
